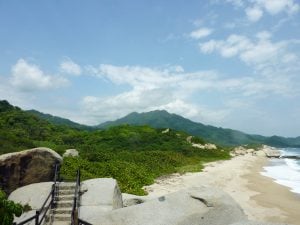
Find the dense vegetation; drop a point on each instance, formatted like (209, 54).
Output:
(8, 209)
(134, 155)
(221, 136)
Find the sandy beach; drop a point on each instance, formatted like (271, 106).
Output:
(260, 197)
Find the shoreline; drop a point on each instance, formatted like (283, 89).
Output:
(259, 196)
(271, 195)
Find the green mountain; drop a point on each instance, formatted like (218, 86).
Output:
(221, 136)
(134, 155)
(59, 120)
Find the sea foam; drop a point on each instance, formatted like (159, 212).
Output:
(285, 171)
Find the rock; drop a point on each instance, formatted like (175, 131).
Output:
(189, 139)
(240, 150)
(256, 223)
(102, 195)
(166, 131)
(210, 146)
(271, 152)
(198, 146)
(186, 207)
(26, 216)
(259, 153)
(71, 153)
(130, 200)
(250, 151)
(26, 167)
(33, 194)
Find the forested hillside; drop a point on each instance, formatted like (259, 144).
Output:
(134, 155)
(219, 135)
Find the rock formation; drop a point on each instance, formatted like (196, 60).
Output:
(26, 167)
(99, 196)
(101, 203)
(71, 153)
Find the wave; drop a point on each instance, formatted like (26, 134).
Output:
(285, 171)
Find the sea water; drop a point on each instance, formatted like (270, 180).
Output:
(285, 171)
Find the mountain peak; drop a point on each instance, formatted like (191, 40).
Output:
(6, 106)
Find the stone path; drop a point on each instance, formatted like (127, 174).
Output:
(61, 214)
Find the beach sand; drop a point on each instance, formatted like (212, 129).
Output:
(260, 197)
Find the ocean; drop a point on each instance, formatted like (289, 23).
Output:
(285, 171)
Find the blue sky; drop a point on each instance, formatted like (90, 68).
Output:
(230, 63)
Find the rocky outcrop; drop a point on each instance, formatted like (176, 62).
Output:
(209, 146)
(186, 207)
(71, 153)
(26, 167)
(100, 196)
(33, 195)
(166, 131)
(271, 152)
(101, 203)
(241, 150)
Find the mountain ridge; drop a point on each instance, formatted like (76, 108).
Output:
(219, 135)
(164, 119)
(59, 120)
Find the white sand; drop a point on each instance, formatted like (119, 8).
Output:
(237, 177)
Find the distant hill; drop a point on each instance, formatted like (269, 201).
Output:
(59, 120)
(221, 136)
(133, 155)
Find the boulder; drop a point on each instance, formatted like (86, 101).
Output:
(273, 153)
(166, 131)
(71, 153)
(33, 195)
(186, 207)
(101, 195)
(256, 223)
(189, 139)
(210, 146)
(26, 167)
(259, 153)
(130, 200)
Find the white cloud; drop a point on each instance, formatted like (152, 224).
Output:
(276, 6)
(259, 52)
(254, 13)
(257, 8)
(29, 77)
(69, 67)
(201, 33)
(209, 46)
(173, 89)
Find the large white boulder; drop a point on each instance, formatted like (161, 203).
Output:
(186, 207)
(101, 195)
(71, 153)
(33, 195)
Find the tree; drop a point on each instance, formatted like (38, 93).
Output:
(8, 209)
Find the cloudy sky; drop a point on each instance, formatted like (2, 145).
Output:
(228, 63)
